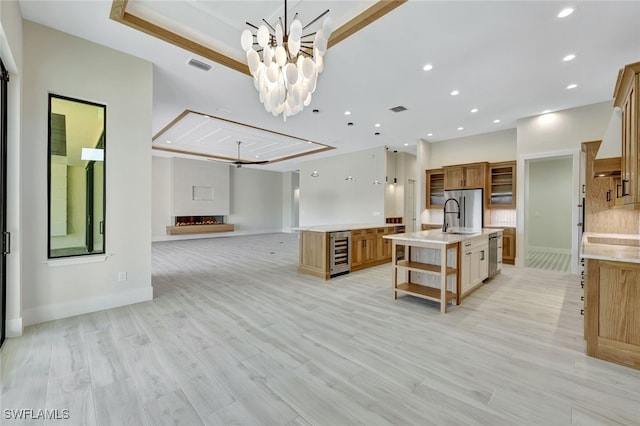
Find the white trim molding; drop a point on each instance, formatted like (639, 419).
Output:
(77, 307)
(14, 327)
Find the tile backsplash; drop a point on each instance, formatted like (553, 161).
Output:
(499, 217)
(503, 217)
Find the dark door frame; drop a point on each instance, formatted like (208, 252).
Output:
(5, 249)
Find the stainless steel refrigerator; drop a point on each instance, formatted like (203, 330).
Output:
(470, 203)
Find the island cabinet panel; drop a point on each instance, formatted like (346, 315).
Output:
(314, 254)
(475, 263)
(612, 317)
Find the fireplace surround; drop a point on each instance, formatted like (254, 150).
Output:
(199, 225)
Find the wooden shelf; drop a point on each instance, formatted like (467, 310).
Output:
(424, 267)
(430, 293)
(199, 229)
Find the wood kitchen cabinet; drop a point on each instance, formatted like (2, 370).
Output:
(502, 185)
(627, 98)
(383, 246)
(435, 188)
(509, 246)
(368, 248)
(612, 318)
(607, 170)
(472, 175)
(363, 248)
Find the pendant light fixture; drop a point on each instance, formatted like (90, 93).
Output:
(286, 73)
(349, 177)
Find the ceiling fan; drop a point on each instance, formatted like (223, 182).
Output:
(239, 163)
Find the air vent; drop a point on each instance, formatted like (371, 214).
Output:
(199, 64)
(398, 108)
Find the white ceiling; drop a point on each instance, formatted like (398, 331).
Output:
(505, 58)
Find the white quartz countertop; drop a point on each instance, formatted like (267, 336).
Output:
(616, 247)
(345, 227)
(439, 237)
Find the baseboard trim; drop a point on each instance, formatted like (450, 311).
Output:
(13, 327)
(162, 238)
(84, 306)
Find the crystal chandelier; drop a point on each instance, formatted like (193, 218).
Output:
(287, 73)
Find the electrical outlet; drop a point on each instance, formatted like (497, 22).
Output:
(122, 276)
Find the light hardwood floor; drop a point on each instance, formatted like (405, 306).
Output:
(235, 336)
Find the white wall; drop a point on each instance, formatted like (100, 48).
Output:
(189, 173)
(11, 52)
(58, 63)
(565, 129)
(492, 147)
(328, 199)
(549, 204)
(290, 200)
(255, 199)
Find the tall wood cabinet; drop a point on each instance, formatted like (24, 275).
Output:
(472, 175)
(627, 98)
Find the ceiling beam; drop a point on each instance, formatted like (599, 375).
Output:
(119, 14)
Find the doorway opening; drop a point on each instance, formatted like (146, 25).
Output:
(549, 208)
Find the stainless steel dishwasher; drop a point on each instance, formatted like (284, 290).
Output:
(493, 254)
(339, 253)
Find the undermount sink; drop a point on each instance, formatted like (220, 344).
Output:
(633, 242)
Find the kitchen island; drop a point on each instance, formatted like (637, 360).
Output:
(331, 250)
(442, 267)
(611, 297)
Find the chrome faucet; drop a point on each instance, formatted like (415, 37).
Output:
(444, 221)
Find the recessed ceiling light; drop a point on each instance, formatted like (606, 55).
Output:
(474, 110)
(496, 121)
(572, 86)
(429, 134)
(460, 128)
(257, 156)
(347, 113)
(565, 12)
(455, 93)
(349, 124)
(168, 141)
(406, 144)
(377, 133)
(428, 67)
(568, 58)
(377, 125)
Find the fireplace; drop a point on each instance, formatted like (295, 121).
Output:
(199, 225)
(198, 220)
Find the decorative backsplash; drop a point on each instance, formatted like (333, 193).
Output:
(503, 217)
(499, 217)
